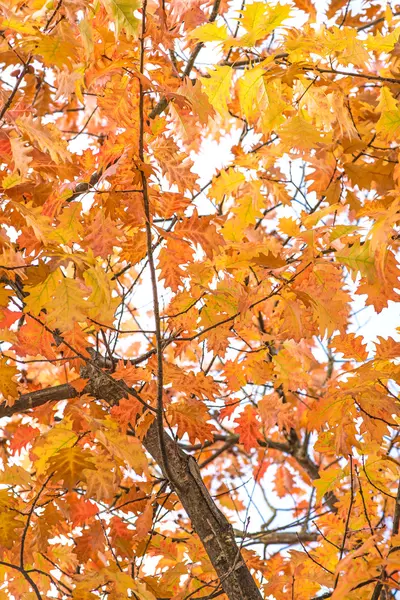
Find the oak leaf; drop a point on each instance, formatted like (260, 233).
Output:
(144, 521)
(123, 14)
(8, 384)
(46, 137)
(248, 428)
(217, 87)
(191, 417)
(68, 463)
(101, 482)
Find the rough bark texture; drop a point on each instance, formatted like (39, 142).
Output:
(208, 521)
(210, 524)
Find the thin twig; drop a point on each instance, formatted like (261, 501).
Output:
(30, 513)
(20, 77)
(150, 258)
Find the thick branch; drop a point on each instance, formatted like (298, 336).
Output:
(27, 401)
(278, 537)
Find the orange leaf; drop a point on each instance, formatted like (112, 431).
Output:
(22, 437)
(130, 374)
(351, 346)
(82, 510)
(248, 428)
(126, 411)
(190, 416)
(144, 521)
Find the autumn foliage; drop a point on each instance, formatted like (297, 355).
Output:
(188, 408)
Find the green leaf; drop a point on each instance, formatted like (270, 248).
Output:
(123, 15)
(359, 259)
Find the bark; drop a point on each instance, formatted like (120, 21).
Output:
(208, 521)
(278, 537)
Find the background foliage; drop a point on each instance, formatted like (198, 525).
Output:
(154, 329)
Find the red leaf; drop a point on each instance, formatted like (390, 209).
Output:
(248, 428)
(144, 521)
(82, 510)
(22, 437)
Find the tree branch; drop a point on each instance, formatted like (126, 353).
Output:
(278, 537)
(20, 77)
(208, 521)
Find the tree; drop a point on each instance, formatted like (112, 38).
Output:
(165, 340)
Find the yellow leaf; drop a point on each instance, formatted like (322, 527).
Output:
(49, 444)
(226, 184)
(68, 464)
(69, 228)
(41, 294)
(69, 304)
(261, 100)
(383, 43)
(248, 90)
(387, 102)
(46, 137)
(15, 475)
(291, 366)
(103, 304)
(142, 592)
(8, 524)
(125, 448)
(87, 37)
(249, 207)
(328, 480)
(124, 583)
(288, 226)
(11, 180)
(57, 49)
(218, 88)
(210, 32)
(8, 385)
(359, 259)
(259, 20)
(311, 220)
(34, 218)
(299, 133)
(388, 125)
(347, 46)
(19, 25)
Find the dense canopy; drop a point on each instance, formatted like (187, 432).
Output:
(199, 205)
